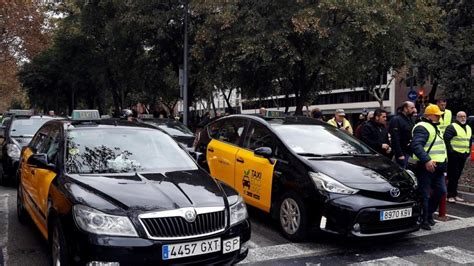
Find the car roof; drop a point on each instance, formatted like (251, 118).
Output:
(285, 120)
(103, 123)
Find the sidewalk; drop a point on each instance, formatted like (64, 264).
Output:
(466, 183)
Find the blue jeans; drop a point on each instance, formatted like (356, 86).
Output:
(432, 187)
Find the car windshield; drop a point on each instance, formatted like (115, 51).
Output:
(27, 127)
(318, 140)
(124, 150)
(175, 129)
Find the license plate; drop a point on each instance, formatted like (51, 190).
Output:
(230, 245)
(395, 214)
(191, 248)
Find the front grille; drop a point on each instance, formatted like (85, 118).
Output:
(178, 227)
(388, 226)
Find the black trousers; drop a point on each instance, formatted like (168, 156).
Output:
(456, 163)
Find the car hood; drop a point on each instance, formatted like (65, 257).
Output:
(141, 192)
(374, 172)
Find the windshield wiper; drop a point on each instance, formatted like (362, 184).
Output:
(308, 154)
(22, 136)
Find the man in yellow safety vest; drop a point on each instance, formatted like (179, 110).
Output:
(430, 151)
(446, 118)
(458, 139)
(340, 121)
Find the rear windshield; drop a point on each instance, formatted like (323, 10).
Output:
(124, 150)
(27, 127)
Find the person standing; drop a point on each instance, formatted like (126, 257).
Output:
(430, 153)
(446, 118)
(400, 128)
(340, 121)
(375, 134)
(458, 139)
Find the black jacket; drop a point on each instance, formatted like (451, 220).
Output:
(374, 135)
(450, 133)
(400, 128)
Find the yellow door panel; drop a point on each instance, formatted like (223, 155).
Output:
(26, 173)
(221, 160)
(35, 216)
(253, 179)
(43, 179)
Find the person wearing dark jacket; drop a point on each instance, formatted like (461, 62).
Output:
(458, 139)
(375, 134)
(430, 151)
(400, 128)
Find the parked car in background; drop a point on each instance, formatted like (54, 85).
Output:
(174, 128)
(17, 133)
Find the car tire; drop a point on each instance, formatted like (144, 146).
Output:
(59, 253)
(293, 217)
(21, 212)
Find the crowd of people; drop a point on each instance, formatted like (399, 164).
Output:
(432, 146)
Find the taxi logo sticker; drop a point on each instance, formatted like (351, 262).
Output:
(252, 183)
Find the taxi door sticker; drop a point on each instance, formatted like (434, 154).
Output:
(252, 183)
(253, 179)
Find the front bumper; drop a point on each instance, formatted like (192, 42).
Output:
(10, 167)
(85, 248)
(359, 216)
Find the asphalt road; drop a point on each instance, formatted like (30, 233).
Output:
(449, 243)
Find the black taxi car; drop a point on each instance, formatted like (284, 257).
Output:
(108, 192)
(16, 134)
(310, 175)
(177, 130)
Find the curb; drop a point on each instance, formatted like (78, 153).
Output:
(465, 188)
(467, 196)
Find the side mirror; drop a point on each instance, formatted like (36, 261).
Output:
(40, 160)
(264, 152)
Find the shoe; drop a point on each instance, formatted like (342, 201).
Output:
(458, 199)
(451, 200)
(426, 226)
(431, 221)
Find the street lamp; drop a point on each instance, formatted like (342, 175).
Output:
(185, 70)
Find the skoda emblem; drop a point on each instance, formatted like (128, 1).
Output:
(190, 216)
(395, 192)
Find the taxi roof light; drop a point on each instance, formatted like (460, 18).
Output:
(85, 115)
(146, 116)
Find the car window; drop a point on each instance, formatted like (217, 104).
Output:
(259, 136)
(27, 127)
(175, 129)
(39, 138)
(50, 143)
(319, 140)
(228, 130)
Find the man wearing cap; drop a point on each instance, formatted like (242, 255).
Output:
(430, 152)
(446, 117)
(340, 121)
(458, 139)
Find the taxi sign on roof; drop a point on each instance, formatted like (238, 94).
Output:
(85, 115)
(145, 116)
(19, 112)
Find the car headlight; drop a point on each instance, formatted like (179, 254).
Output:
(96, 222)
(413, 177)
(238, 211)
(326, 183)
(13, 151)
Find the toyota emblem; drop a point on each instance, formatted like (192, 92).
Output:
(190, 216)
(395, 192)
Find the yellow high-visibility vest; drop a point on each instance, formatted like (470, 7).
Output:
(446, 121)
(461, 141)
(438, 152)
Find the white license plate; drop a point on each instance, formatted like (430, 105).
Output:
(230, 245)
(395, 214)
(191, 249)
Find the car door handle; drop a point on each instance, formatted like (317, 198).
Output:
(32, 172)
(240, 160)
(210, 149)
